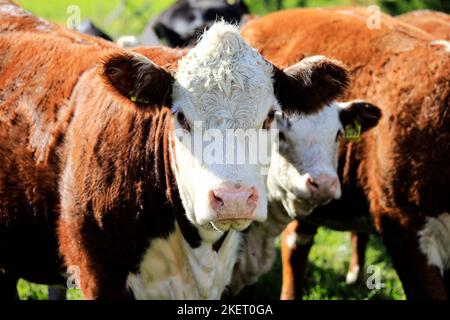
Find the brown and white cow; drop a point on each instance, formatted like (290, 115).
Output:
(437, 24)
(302, 176)
(396, 179)
(97, 170)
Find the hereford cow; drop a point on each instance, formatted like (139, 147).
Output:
(396, 180)
(437, 24)
(98, 173)
(182, 23)
(434, 22)
(302, 176)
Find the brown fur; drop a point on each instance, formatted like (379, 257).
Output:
(434, 22)
(399, 172)
(42, 88)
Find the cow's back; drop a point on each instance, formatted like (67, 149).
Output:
(406, 157)
(38, 71)
(433, 22)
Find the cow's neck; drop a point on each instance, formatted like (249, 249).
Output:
(182, 265)
(258, 252)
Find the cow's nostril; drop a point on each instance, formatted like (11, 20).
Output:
(253, 197)
(312, 184)
(335, 183)
(216, 199)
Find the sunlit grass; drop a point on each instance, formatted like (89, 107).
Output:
(328, 264)
(130, 21)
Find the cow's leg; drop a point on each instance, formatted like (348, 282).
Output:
(57, 293)
(8, 287)
(359, 244)
(420, 279)
(447, 282)
(92, 264)
(296, 242)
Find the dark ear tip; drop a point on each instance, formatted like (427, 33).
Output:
(337, 72)
(370, 109)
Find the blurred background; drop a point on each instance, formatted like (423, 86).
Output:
(330, 256)
(129, 17)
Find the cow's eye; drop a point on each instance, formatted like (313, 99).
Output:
(269, 119)
(339, 135)
(181, 118)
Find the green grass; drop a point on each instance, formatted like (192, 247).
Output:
(328, 264)
(131, 21)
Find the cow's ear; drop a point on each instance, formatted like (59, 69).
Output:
(360, 113)
(137, 79)
(310, 84)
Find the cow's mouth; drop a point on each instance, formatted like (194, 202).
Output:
(236, 224)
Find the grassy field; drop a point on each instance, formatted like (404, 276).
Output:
(329, 257)
(328, 264)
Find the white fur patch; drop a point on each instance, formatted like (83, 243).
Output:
(352, 276)
(291, 240)
(171, 269)
(434, 241)
(12, 10)
(224, 80)
(129, 42)
(444, 43)
(221, 84)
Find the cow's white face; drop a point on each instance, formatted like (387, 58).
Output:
(222, 87)
(304, 164)
(223, 97)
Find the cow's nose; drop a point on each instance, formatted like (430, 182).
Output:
(235, 202)
(324, 187)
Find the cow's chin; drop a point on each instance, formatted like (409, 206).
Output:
(235, 224)
(304, 207)
(299, 207)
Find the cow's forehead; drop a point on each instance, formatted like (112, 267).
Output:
(224, 78)
(323, 124)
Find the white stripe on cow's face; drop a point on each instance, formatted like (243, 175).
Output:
(308, 149)
(222, 85)
(434, 241)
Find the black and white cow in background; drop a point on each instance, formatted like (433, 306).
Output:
(180, 25)
(185, 21)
